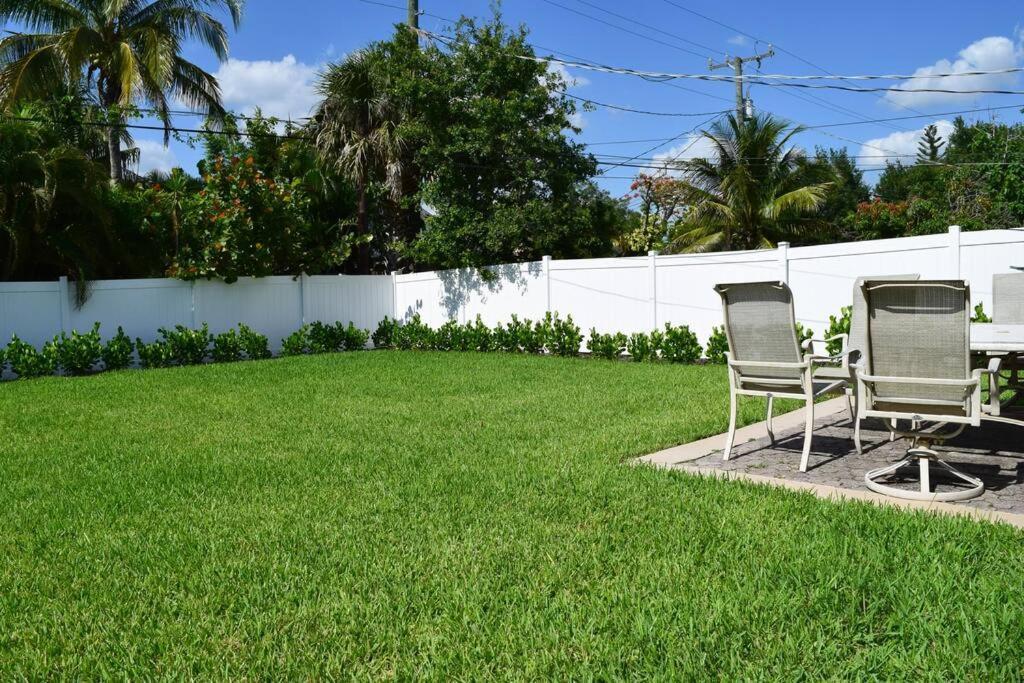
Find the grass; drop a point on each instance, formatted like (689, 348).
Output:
(400, 515)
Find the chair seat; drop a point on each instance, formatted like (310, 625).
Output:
(777, 390)
(833, 372)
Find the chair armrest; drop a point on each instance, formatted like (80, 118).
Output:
(767, 364)
(994, 366)
(965, 383)
(843, 356)
(806, 345)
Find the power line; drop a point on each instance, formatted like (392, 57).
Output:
(649, 27)
(665, 142)
(630, 31)
(637, 111)
(916, 116)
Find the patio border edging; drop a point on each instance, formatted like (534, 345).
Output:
(679, 457)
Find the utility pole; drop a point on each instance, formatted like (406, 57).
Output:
(736, 64)
(414, 14)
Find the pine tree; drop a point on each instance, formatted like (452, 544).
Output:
(931, 144)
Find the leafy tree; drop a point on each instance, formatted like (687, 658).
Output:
(57, 215)
(356, 130)
(498, 177)
(757, 189)
(662, 203)
(930, 146)
(849, 189)
(130, 51)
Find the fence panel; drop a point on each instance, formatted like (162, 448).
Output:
(32, 310)
(614, 294)
(362, 299)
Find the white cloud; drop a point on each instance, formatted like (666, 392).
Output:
(153, 156)
(695, 146)
(738, 40)
(987, 54)
(284, 88)
(571, 80)
(895, 146)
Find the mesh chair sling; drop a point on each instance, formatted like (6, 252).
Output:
(1008, 309)
(764, 356)
(855, 344)
(918, 368)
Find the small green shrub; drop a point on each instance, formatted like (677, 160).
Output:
(451, 336)
(803, 333)
(640, 348)
(117, 352)
(561, 337)
(838, 325)
(26, 361)
(77, 353)
(414, 334)
(355, 338)
(479, 336)
(227, 347)
(326, 338)
(979, 314)
(157, 354)
(255, 345)
(680, 345)
(607, 346)
(187, 346)
(718, 346)
(384, 336)
(296, 343)
(506, 337)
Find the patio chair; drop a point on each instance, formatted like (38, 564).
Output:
(854, 345)
(1008, 309)
(764, 357)
(918, 369)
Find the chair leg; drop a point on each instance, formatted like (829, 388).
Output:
(768, 421)
(732, 426)
(849, 408)
(856, 436)
(808, 428)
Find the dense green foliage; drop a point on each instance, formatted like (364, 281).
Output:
(299, 519)
(125, 53)
(756, 190)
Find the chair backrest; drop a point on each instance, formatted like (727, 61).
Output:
(859, 314)
(921, 330)
(761, 326)
(1008, 298)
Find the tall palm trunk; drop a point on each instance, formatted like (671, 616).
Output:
(363, 228)
(109, 96)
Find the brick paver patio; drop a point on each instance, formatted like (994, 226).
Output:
(994, 453)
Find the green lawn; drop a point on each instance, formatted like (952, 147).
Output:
(400, 515)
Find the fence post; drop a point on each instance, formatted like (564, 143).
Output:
(303, 298)
(954, 250)
(546, 264)
(65, 311)
(394, 295)
(783, 252)
(652, 268)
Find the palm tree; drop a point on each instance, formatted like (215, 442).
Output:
(128, 50)
(756, 190)
(356, 132)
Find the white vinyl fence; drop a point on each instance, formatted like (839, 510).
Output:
(640, 293)
(613, 294)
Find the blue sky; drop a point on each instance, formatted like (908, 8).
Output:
(277, 51)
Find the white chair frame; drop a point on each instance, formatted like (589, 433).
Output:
(801, 388)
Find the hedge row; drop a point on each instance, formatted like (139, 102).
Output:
(83, 353)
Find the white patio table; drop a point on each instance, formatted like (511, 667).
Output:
(996, 338)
